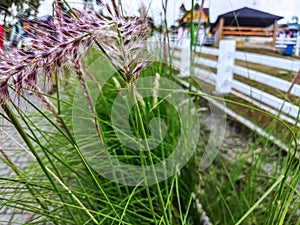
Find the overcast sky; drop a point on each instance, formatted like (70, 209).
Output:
(285, 8)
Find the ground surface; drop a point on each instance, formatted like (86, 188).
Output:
(13, 147)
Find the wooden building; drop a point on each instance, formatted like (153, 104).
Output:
(186, 15)
(246, 22)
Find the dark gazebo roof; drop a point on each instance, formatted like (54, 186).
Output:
(248, 17)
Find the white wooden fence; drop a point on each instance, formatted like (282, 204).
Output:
(225, 83)
(282, 42)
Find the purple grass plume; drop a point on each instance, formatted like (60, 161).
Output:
(68, 39)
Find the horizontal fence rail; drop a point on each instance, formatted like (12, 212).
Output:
(285, 64)
(266, 79)
(283, 41)
(248, 31)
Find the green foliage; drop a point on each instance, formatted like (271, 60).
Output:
(33, 5)
(6, 4)
(62, 188)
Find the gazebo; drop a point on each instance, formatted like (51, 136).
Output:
(246, 22)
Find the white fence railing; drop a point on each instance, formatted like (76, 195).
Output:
(283, 42)
(225, 83)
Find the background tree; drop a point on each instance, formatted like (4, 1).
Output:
(34, 6)
(4, 8)
(295, 19)
(31, 9)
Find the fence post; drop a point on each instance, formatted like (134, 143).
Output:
(297, 44)
(225, 66)
(185, 61)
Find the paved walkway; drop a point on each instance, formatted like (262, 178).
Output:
(12, 146)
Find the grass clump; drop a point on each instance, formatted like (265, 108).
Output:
(115, 90)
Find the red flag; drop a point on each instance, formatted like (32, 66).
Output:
(1, 37)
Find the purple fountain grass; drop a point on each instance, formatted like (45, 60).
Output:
(121, 39)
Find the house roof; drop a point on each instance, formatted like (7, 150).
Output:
(248, 17)
(196, 7)
(187, 13)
